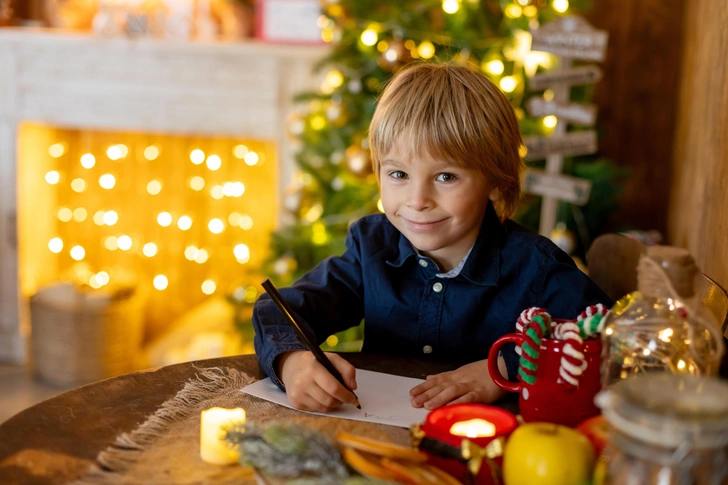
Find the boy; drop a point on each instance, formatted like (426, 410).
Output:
(440, 274)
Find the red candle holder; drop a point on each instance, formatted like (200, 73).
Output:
(445, 449)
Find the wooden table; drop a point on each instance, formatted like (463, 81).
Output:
(55, 441)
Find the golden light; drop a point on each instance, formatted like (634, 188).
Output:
(665, 335)
(534, 59)
(216, 226)
(380, 206)
(251, 158)
(197, 183)
(57, 150)
(327, 35)
(154, 187)
(426, 49)
(123, 150)
(214, 162)
(114, 152)
(52, 177)
(151, 152)
(208, 287)
(317, 122)
(234, 219)
(240, 151)
(80, 214)
(246, 222)
(107, 181)
(197, 156)
(450, 6)
(319, 237)
(473, 428)
(161, 282)
(124, 242)
(55, 245)
(681, 364)
(332, 340)
(522, 151)
(217, 192)
(102, 277)
(78, 185)
(242, 253)
(191, 253)
(369, 37)
(313, 214)
(550, 121)
(609, 331)
(646, 352)
(149, 250)
(78, 253)
(495, 67)
(184, 222)
(111, 243)
(382, 45)
(228, 189)
(523, 3)
(201, 256)
(508, 84)
(251, 294)
(513, 11)
(110, 218)
(65, 214)
(560, 6)
(548, 95)
(530, 11)
(88, 160)
(164, 219)
(99, 218)
(334, 78)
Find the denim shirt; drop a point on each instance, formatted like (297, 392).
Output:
(410, 311)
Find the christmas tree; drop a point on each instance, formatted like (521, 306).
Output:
(370, 41)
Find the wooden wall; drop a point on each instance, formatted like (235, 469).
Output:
(637, 99)
(699, 200)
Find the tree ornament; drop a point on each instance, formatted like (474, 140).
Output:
(394, 56)
(358, 160)
(563, 238)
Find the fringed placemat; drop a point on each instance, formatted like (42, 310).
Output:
(165, 449)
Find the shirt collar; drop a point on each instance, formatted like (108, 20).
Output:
(482, 266)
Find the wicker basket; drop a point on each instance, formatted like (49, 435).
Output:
(83, 336)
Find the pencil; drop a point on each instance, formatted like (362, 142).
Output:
(317, 352)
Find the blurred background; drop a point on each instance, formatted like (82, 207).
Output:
(159, 158)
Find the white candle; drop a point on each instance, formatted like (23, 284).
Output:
(474, 428)
(212, 447)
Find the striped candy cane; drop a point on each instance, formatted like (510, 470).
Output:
(534, 332)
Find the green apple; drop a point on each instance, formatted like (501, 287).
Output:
(547, 454)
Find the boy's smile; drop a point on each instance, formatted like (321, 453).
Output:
(436, 204)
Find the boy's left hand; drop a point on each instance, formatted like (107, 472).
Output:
(469, 383)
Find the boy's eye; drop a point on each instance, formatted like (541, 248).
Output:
(446, 177)
(398, 174)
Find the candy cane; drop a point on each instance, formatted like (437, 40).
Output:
(535, 331)
(568, 371)
(592, 320)
(525, 318)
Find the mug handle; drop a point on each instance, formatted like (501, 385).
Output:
(493, 370)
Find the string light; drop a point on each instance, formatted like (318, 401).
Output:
(313, 214)
(242, 253)
(369, 37)
(57, 150)
(508, 84)
(124, 242)
(55, 245)
(154, 187)
(65, 214)
(78, 253)
(201, 256)
(240, 151)
(78, 185)
(80, 214)
(495, 67)
(197, 183)
(197, 156)
(334, 78)
(52, 177)
(214, 162)
(530, 11)
(382, 45)
(327, 35)
(216, 226)
(107, 181)
(114, 152)
(208, 287)
(251, 294)
(513, 11)
(88, 160)
(164, 219)
(151, 152)
(111, 243)
(550, 121)
(319, 237)
(251, 158)
(161, 282)
(426, 49)
(548, 95)
(246, 222)
(149, 250)
(184, 222)
(217, 192)
(317, 122)
(560, 6)
(234, 219)
(191, 253)
(450, 6)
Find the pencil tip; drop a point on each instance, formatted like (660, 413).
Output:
(358, 406)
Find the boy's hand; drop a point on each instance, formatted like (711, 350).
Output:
(469, 383)
(310, 387)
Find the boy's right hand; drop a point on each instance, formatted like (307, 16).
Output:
(310, 387)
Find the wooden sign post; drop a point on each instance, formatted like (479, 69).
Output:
(569, 38)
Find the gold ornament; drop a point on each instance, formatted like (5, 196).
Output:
(358, 160)
(394, 56)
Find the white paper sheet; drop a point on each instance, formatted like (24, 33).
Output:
(384, 399)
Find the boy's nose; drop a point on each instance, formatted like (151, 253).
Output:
(419, 198)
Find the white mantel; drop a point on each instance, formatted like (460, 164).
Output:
(241, 89)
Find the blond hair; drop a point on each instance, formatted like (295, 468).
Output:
(456, 114)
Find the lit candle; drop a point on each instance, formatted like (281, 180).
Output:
(473, 428)
(212, 447)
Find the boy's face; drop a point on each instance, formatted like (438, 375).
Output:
(436, 204)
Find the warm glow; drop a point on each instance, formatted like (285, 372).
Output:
(216, 226)
(111, 243)
(530, 11)
(327, 35)
(65, 214)
(154, 187)
(184, 222)
(665, 334)
(88, 160)
(561, 6)
(214, 162)
(380, 206)
(78, 185)
(57, 150)
(107, 181)
(318, 122)
(124, 243)
(52, 177)
(609, 331)
(240, 151)
(161, 282)
(151, 152)
(164, 219)
(114, 152)
(369, 37)
(246, 222)
(55, 245)
(201, 256)
(191, 253)
(522, 151)
(313, 214)
(197, 156)
(149, 250)
(78, 253)
(251, 158)
(550, 121)
(212, 422)
(99, 218)
(473, 428)
(242, 253)
(197, 183)
(80, 214)
(426, 50)
(681, 364)
(334, 78)
(208, 287)
(495, 67)
(217, 192)
(513, 11)
(110, 218)
(508, 84)
(450, 6)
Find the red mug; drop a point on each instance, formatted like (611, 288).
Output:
(548, 399)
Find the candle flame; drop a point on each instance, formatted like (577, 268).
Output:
(474, 428)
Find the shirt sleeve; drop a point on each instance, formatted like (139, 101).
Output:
(328, 299)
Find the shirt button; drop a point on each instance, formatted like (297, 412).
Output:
(423, 263)
(437, 287)
(427, 349)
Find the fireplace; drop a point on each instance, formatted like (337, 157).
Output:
(161, 160)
